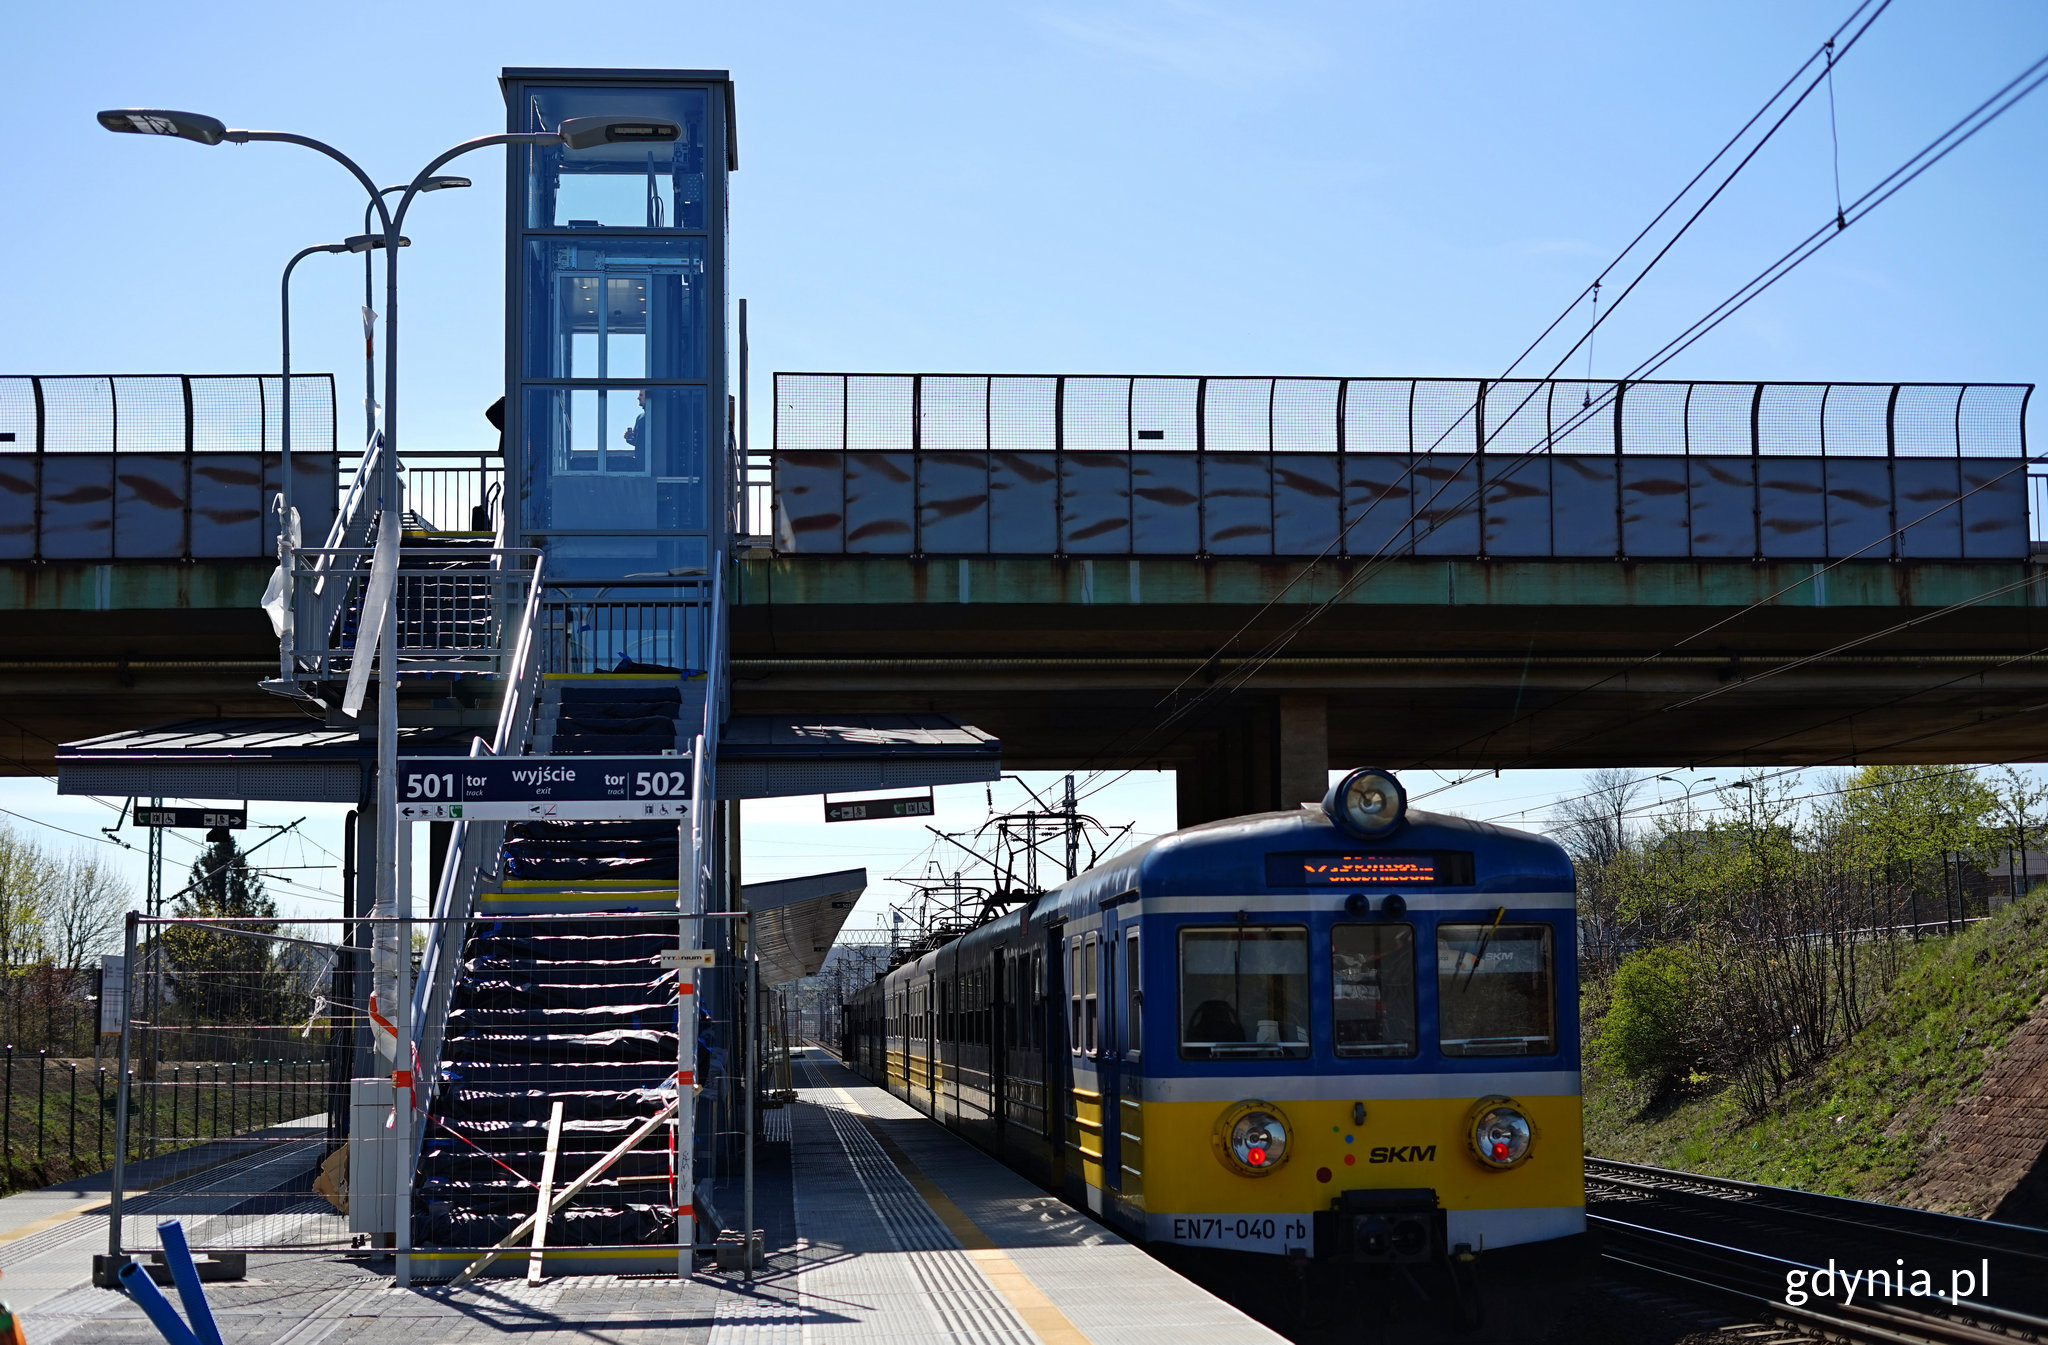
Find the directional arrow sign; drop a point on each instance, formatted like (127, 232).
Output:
(542, 789)
(234, 819)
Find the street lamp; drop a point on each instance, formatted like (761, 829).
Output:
(573, 133)
(365, 243)
(369, 308)
(1674, 780)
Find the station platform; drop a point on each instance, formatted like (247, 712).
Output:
(879, 1227)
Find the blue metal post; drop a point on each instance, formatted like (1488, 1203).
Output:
(186, 1276)
(135, 1282)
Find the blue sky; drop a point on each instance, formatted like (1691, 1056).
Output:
(1162, 187)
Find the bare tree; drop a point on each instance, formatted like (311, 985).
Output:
(83, 909)
(1593, 826)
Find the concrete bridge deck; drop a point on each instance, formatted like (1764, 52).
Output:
(1440, 662)
(1444, 662)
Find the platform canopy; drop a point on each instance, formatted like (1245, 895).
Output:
(796, 920)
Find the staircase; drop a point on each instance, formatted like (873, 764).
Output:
(542, 983)
(574, 1010)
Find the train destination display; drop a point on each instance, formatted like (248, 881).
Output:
(1370, 868)
(435, 789)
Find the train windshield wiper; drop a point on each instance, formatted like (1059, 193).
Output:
(1485, 943)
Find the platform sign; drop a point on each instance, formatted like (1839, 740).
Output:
(113, 993)
(234, 819)
(874, 810)
(542, 789)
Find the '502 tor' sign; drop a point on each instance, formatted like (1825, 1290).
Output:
(542, 788)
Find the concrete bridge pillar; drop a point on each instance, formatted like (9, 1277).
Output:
(1273, 754)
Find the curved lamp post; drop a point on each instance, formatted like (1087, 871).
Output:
(571, 133)
(370, 307)
(364, 243)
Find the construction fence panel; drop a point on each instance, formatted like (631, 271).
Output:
(240, 1037)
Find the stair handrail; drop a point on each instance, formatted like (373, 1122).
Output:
(474, 845)
(340, 553)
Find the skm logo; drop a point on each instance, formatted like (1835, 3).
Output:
(1403, 1153)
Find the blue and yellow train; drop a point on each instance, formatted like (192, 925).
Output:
(1346, 1033)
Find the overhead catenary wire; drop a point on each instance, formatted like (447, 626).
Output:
(1744, 787)
(1957, 134)
(1826, 51)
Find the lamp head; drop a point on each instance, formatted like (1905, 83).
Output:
(590, 132)
(443, 183)
(158, 121)
(366, 242)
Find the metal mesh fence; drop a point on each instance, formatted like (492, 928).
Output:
(1094, 465)
(164, 413)
(1094, 413)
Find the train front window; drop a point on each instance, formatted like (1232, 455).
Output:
(1372, 989)
(1495, 990)
(1244, 992)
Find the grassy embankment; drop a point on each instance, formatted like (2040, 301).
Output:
(1862, 1125)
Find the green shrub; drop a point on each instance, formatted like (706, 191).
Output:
(1648, 1030)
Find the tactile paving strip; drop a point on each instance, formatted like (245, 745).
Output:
(899, 1260)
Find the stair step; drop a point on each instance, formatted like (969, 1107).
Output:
(578, 1013)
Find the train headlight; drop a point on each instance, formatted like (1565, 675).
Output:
(1369, 804)
(1252, 1138)
(1500, 1133)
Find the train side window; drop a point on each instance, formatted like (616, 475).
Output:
(1495, 991)
(1244, 992)
(1133, 996)
(1091, 968)
(1372, 989)
(1074, 994)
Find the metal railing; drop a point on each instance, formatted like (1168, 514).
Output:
(834, 412)
(451, 492)
(119, 467)
(586, 628)
(457, 609)
(475, 850)
(164, 413)
(940, 465)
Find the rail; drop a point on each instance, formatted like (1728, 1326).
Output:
(1763, 1244)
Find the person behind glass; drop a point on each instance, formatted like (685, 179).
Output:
(636, 434)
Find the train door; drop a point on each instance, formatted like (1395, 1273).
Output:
(1108, 1068)
(1056, 1094)
(1001, 1023)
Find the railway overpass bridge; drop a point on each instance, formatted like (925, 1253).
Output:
(1243, 580)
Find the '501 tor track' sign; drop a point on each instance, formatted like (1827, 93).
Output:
(540, 789)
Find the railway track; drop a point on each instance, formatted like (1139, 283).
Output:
(1791, 1253)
